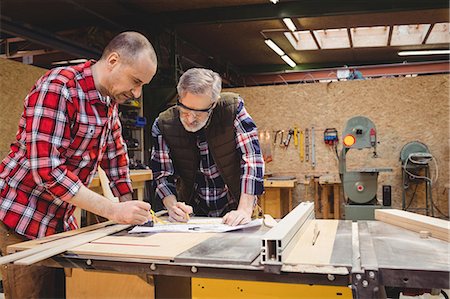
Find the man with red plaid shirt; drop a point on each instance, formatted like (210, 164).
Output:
(69, 127)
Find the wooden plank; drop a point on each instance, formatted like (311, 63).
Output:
(324, 201)
(305, 253)
(438, 228)
(104, 183)
(279, 183)
(317, 212)
(33, 243)
(163, 246)
(140, 175)
(43, 251)
(337, 201)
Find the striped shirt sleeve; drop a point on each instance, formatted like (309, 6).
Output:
(252, 165)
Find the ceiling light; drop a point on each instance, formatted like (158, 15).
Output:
(274, 1)
(288, 60)
(274, 47)
(289, 24)
(426, 52)
(60, 62)
(79, 60)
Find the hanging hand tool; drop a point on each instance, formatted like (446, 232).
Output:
(307, 145)
(281, 140)
(295, 136)
(288, 138)
(275, 134)
(302, 146)
(313, 148)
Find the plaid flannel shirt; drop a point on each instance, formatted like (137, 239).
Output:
(66, 130)
(212, 191)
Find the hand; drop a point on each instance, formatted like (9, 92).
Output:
(236, 217)
(179, 212)
(131, 212)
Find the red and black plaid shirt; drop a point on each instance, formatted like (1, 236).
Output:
(66, 130)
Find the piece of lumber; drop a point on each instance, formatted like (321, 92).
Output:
(44, 251)
(438, 228)
(33, 243)
(162, 246)
(39, 248)
(319, 253)
(104, 183)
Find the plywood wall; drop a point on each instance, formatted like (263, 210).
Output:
(16, 80)
(403, 110)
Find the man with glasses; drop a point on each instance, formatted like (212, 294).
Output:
(206, 156)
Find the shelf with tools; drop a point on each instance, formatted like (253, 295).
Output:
(133, 123)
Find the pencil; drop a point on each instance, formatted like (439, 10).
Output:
(187, 216)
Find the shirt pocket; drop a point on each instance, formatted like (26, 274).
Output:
(89, 131)
(86, 138)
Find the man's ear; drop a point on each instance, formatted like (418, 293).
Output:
(112, 60)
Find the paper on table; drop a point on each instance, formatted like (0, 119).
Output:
(195, 225)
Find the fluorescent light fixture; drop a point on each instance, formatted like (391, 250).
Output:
(425, 52)
(289, 24)
(288, 60)
(73, 61)
(60, 62)
(79, 60)
(274, 47)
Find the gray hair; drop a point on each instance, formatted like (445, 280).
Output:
(200, 82)
(129, 44)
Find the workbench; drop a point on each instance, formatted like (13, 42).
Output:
(277, 198)
(366, 255)
(138, 178)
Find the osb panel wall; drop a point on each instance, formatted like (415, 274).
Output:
(402, 109)
(16, 80)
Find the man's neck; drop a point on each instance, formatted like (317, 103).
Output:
(98, 78)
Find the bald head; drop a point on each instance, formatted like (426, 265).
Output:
(129, 45)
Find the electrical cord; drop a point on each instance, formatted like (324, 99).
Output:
(421, 163)
(439, 211)
(412, 197)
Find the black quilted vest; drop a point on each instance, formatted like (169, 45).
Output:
(221, 139)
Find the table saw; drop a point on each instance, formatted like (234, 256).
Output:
(300, 256)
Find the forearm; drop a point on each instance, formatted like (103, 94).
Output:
(93, 202)
(246, 203)
(169, 201)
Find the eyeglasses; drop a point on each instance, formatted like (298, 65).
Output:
(185, 110)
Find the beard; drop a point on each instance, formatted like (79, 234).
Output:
(195, 126)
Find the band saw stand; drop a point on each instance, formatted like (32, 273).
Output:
(360, 186)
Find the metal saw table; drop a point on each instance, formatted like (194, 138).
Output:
(366, 255)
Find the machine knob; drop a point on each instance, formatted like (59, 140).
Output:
(359, 187)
